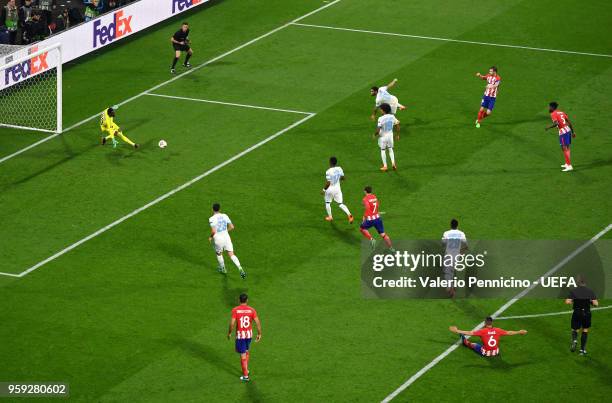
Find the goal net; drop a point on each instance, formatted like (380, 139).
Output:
(31, 91)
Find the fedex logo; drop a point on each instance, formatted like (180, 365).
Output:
(180, 5)
(20, 71)
(120, 26)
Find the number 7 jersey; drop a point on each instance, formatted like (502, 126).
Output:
(244, 316)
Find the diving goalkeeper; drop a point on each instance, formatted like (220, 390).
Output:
(107, 125)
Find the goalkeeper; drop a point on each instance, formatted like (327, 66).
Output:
(108, 125)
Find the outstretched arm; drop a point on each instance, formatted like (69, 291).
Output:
(554, 124)
(392, 83)
(464, 332)
(515, 332)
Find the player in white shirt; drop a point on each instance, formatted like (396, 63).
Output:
(332, 190)
(384, 97)
(455, 243)
(387, 124)
(220, 225)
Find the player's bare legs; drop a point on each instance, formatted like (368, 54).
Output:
(568, 163)
(383, 156)
(237, 263)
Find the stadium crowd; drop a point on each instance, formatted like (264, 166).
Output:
(27, 21)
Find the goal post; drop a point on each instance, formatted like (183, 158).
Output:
(31, 91)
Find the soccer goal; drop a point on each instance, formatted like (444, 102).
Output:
(31, 91)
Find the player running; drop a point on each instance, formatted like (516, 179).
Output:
(108, 125)
(490, 94)
(384, 97)
(332, 190)
(581, 298)
(220, 226)
(387, 124)
(455, 243)
(243, 317)
(371, 218)
(489, 335)
(566, 132)
(180, 43)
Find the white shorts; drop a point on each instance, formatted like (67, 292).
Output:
(393, 104)
(223, 242)
(385, 141)
(333, 193)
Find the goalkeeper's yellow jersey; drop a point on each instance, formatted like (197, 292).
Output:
(106, 121)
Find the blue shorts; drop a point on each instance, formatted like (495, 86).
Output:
(488, 102)
(565, 139)
(242, 345)
(377, 223)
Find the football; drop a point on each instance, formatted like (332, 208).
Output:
(162, 144)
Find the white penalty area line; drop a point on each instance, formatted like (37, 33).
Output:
(214, 59)
(540, 315)
(501, 310)
(434, 38)
(159, 199)
(209, 101)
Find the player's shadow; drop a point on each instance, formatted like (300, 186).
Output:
(230, 294)
(599, 368)
(252, 393)
(48, 168)
(177, 251)
(122, 153)
(498, 364)
(206, 353)
(348, 236)
(595, 164)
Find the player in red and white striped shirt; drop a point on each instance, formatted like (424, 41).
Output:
(489, 336)
(566, 132)
(243, 317)
(490, 94)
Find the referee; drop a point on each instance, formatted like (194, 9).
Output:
(180, 43)
(582, 298)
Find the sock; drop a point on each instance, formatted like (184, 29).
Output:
(187, 58)
(344, 208)
(328, 209)
(174, 62)
(566, 153)
(236, 261)
(574, 335)
(248, 354)
(220, 260)
(130, 142)
(484, 114)
(245, 365)
(387, 240)
(392, 156)
(366, 233)
(383, 155)
(467, 343)
(479, 115)
(583, 340)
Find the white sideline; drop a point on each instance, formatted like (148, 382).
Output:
(160, 198)
(501, 310)
(434, 38)
(214, 59)
(539, 315)
(208, 101)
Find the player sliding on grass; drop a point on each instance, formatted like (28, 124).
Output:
(243, 317)
(387, 124)
(566, 132)
(220, 226)
(489, 335)
(371, 218)
(108, 125)
(490, 94)
(332, 190)
(384, 97)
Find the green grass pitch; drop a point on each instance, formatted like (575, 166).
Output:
(139, 313)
